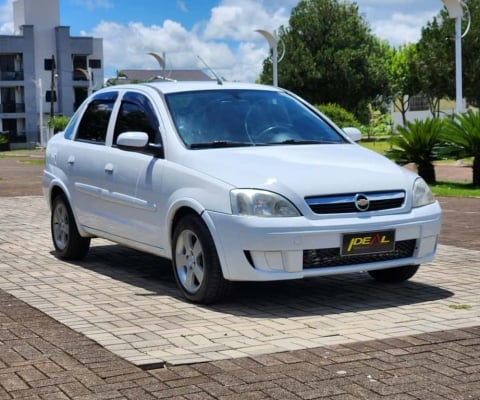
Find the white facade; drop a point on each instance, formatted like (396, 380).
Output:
(419, 111)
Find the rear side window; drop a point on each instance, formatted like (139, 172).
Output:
(70, 129)
(94, 123)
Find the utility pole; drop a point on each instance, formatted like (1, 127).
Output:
(53, 96)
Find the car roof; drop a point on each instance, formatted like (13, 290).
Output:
(171, 87)
(186, 86)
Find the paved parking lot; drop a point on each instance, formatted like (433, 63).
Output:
(128, 302)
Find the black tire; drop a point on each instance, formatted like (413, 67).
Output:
(69, 245)
(394, 275)
(195, 262)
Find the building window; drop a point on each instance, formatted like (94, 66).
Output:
(49, 64)
(51, 96)
(97, 64)
(79, 61)
(418, 103)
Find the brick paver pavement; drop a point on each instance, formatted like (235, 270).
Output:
(127, 301)
(135, 297)
(42, 359)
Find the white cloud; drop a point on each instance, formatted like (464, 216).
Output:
(238, 20)
(126, 47)
(248, 63)
(402, 28)
(227, 42)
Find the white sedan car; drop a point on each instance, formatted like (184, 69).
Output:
(233, 182)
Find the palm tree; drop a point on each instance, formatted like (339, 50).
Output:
(418, 142)
(463, 140)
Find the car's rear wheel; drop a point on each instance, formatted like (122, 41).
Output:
(68, 243)
(195, 262)
(393, 275)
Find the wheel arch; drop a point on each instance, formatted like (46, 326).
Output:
(55, 191)
(187, 208)
(58, 189)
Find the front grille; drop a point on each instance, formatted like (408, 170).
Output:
(345, 203)
(321, 258)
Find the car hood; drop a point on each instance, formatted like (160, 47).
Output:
(306, 170)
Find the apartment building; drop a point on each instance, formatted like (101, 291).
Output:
(44, 71)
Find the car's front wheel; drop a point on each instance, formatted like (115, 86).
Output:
(195, 262)
(66, 239)
(393, 275)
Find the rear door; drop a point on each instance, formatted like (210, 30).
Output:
(84, 160)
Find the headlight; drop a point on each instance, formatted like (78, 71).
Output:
(260, 203)
(422, 195)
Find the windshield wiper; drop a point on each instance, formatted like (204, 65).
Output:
(219, 144)
(299, 141)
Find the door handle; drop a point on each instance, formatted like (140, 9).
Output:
(70, 160)
(109, 168)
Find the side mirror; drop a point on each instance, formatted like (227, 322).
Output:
(138, 141)
(353, 133)
(132, 139)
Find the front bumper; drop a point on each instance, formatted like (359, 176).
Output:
(265, 249)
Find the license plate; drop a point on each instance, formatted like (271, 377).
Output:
(368, 243)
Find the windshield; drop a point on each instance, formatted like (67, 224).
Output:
(231, 118)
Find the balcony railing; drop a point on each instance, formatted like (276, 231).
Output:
(11, 75)
(12, 108)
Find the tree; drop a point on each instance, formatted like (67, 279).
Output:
(418, 142)
(463, 133)
(404, 82)
(434, 66)
(331, 56)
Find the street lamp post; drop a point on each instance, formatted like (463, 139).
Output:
(161, 59)
(38, 84)
(272, 40)
(455, 11)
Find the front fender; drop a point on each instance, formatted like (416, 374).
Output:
(186, 204)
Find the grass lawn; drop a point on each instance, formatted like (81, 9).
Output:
(32, 157)
(380, 146)
(455, 189)
(22, 154)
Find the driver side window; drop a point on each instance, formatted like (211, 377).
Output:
(136, 114)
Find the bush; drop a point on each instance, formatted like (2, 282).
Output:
(419, 142)
(463, 134)
(339, 115)
(58, 123)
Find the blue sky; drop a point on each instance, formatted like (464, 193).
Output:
(222, 32)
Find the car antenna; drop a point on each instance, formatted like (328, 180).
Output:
(219, 79)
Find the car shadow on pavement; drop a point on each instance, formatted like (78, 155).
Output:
(330, 295)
